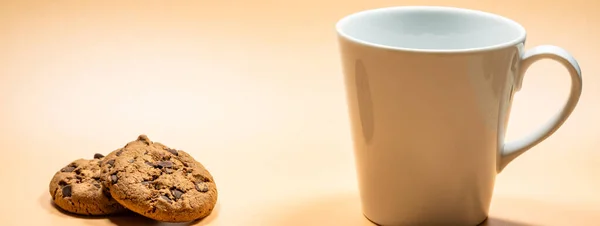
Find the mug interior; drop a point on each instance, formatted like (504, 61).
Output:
(429, 28)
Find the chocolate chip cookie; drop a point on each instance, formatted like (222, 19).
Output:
(159, 182)
(78, 188)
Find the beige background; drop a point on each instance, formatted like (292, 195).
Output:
(253, 89)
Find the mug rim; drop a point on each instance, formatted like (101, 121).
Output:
(346, 19)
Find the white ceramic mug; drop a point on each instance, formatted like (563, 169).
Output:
(429, 93)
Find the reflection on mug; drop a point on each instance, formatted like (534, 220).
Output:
(365, 104)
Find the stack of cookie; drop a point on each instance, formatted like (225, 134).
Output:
(145, 177)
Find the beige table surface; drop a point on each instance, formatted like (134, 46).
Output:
(253, 89)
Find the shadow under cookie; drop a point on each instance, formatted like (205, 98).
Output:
(126, 218)
(134, 219)
(47, 204)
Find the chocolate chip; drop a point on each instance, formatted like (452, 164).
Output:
(67, 169)
(98, 156)
(202, 187)
(144, 138)
(165, 164)
(66, 191)
(98, 186)
(111, 162)
(106, 193)
(163, 156)
(119, 152)
(150, 164)
(165, 198)
(131, 160)
(176, 193)
(78, 171)
(173, 151)
(62, 183)
(114, 178)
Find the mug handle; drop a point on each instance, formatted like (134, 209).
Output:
(512, 150)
